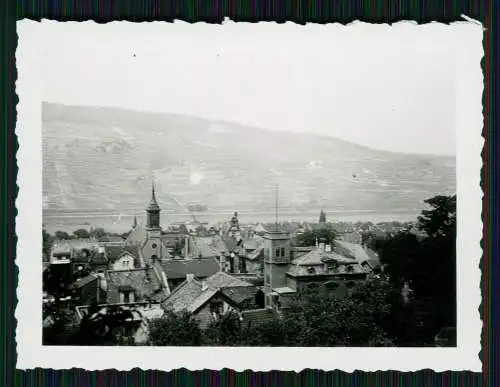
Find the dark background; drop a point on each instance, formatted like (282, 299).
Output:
(250, 11)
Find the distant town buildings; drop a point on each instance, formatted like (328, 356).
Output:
(206, 270)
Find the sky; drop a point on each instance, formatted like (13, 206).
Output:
(390, 88)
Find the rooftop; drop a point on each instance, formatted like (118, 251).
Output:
(319, 256)
(179, 268)
(258, 317)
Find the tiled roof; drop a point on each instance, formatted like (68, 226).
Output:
(211, 246)
(318, 256)
(240, 294)
(201, 268)
(284, 290)
(201, 300)
(259, 253)
(115, 252)
(183, 296)
(258, 317)
(137, 235)
(145, 282)
(354, 250)
(84, 281)
(61, 248)
(251, 244)
(223, 280)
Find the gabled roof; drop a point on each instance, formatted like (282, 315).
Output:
(117, 251)
(240, 294)
(251, 243)
(208, 246)
(259, 253)
(84, 281)
(183, 296)
(258, 317)
(222, 280)
(356, 251)
(319, 256)
(145, 281)
(192, 294)
(137, 235)
(179, 268)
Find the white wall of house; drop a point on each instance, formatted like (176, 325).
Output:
(125, 262)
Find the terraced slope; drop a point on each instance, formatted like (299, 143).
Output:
(103, 159)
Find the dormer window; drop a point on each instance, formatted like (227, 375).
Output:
(127, 296)
(216, 308)
(311, 270)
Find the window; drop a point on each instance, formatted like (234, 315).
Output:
(311, 270)
(154, 246)
(331, 285)
(126, 297)
(277, 252)
(216, 308)
(283, 252)
(350, 269)
(154, 257)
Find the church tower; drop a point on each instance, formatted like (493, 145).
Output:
(153, 247)
(322, 217)
(153, 212)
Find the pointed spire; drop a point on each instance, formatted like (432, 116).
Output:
(134, 224)
(153, 195)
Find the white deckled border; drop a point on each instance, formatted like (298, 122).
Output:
(32, 354)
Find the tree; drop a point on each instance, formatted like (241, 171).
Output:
(62, 235)
(429, 267)
(100, 327)
(81, 233)
(441, 218)
(224, 332)
(309, 238)
(48, 240)
(98, 233)
(175, 329)
(354, 320)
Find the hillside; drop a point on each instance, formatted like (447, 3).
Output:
(103, 158)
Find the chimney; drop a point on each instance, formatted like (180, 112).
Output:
(186, 245)
(189, 277)
(204, 286)
(328, 248)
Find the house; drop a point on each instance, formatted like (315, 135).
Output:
(124, 257)
(176, 270)
(254, 261)
(88, 289)
(206, 247)
(325, 271)
(212, 298)
(364, 255)
(135, 285)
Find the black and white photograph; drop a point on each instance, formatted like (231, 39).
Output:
(252, 187)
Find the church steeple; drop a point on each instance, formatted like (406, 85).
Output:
(322, 217)
(134, 223)
(153, 211)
